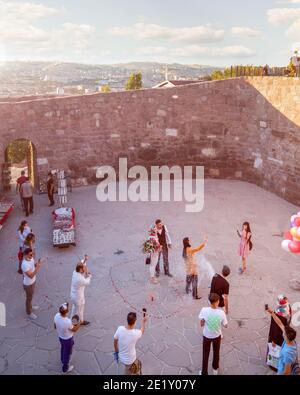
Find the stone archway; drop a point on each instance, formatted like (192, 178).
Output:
(19, 155)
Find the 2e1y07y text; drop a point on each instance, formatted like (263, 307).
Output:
(150, 385)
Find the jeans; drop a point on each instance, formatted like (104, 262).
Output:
(29, 291)
(66, 352)
(28, 204)
(165, 254)
(192, 280)
(206, 351)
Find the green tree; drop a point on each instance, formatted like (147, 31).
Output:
(217, 75)
(105, 89)
(17, 151)
(135, 82)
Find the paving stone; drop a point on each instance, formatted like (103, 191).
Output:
(34, 357)
(151, 365)
(193, 338)
(16, 352)
(170, 371)
(104, 360)
(86, 343)
(3, 365)
(50, 342)
(106, 344)
(230, 360)
(85, 363)
(248, 348)
(175, 356)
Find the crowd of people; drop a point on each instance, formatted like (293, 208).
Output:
(281, 353)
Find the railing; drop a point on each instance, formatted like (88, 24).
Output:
(259, 71)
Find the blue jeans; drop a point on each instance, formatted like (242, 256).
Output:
(66, 352)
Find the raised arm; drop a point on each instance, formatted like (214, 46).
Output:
(277, 320)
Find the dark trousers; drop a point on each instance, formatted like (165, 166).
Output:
(165, 254)
(206, 351)
(192, 280)
(28, 204)
(66, 352)
(29, 291)
(51, 198)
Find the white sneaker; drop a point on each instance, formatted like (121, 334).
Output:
(32, 316)
(71, 367)
(35, 308)
(215, 372)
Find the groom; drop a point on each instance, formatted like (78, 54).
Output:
(166, 243)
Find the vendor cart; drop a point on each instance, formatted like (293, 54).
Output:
(6, 208)
(64, 227)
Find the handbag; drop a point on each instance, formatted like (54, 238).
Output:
(136, 368)
(273, 355)
(148, 260)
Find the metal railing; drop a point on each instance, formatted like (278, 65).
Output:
(260, 71)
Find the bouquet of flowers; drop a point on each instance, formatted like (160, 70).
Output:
(150, 245)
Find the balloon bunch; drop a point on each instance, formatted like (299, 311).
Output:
(291, 241)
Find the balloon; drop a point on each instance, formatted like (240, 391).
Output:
(294, 232)
(297, 221)
(294, 247)
(285, 245)
(288, 236)
(293, 225)
(293, 218)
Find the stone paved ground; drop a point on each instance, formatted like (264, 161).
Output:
(172, 343)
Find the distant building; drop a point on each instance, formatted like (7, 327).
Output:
(173, 83)
(60, 91)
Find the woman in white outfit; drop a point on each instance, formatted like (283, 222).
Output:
(81, 278)
(154, 255)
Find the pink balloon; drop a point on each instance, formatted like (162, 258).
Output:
(294, 247)
(297, 221)
(288, 236)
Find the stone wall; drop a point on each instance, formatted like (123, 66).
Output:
(246, 129)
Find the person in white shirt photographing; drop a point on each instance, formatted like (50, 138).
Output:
(65, 329)
(80, 280)
(30, 270)
(125, 340)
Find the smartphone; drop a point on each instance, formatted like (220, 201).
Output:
(144, 312)
(266, 307)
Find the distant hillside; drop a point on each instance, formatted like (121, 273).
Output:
(20, 78)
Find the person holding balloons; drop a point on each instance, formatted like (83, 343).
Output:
(291, 241)
(245, 245)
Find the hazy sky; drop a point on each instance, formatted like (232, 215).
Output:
(214, 32)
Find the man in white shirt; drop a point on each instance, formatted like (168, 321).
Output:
(30, 270)
(81, 278)
(212, 319)
(125, 340)
(65, 330)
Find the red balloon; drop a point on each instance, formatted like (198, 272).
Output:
(294, 247)
(288, 236)
(297, 221)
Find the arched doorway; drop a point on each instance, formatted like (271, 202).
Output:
(20, 155)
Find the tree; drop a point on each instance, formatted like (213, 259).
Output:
(217, 75)
(135, 82)
(105, 89)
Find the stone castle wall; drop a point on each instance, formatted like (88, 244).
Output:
(246, 129)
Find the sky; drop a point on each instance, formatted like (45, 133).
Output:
(207, 32)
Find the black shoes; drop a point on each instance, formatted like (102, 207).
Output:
(169, 275)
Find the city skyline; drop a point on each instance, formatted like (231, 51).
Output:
(192, 32)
